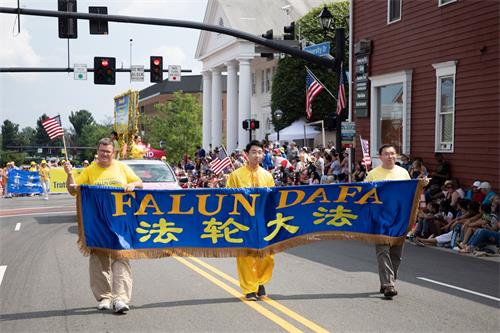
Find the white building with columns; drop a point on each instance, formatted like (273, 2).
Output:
(249, 77)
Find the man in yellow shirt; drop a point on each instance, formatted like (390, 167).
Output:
(254, 272)
(110, 279)
(44, 178)
(33, 167)
(388, 257)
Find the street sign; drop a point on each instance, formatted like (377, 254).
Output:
(80, 71)
(40, 150)
(348, 132)
(321, 49)
(174, 72)
(136, 73)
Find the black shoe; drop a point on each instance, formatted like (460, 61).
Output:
(390, 291)
(262, 291)
(251, 297)
(382, 290)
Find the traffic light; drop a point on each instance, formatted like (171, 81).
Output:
(254, 124)
(245, 124)
(98, 27)
(104, 70)
(289, 31)
(68, 27)
(268, 34)
(156, 66)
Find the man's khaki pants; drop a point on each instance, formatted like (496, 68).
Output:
(388, 258)
(110, 278)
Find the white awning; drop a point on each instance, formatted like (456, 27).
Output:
(295, 132)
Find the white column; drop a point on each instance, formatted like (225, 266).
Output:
(244, 100)
(207, 105)
(233, 125)
(216, 107)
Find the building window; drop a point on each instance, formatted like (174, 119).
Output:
(253, 83)
(390, 105)
(445, 106)
(394, 10)
(268, 80)
(445, 2)
(262, 82)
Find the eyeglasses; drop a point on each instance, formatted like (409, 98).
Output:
(106, 152)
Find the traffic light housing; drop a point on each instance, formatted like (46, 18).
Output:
(98, 27)
(254, 124)
(268, 34)
(289, 31)
(68, 27)
(156, 67)
(245, 124)
(104, 70)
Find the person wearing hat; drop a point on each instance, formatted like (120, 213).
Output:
(33, 167)
(474, 193)
(85, 163)
(44, 178)
(485, 188)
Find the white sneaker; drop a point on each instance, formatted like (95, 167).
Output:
(121, 307)
(104, 304)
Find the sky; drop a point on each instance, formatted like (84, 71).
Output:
(24, 97)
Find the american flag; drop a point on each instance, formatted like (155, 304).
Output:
(365, 147)
(341, 100)
(220, 163)
(313, 88)
(53, 127)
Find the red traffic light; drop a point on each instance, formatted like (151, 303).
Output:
(156, 62)
(104, 63)
(252, 124)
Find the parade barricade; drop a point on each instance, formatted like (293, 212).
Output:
(246, 221)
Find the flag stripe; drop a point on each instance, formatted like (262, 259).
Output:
(53, 127)
(341, 99)
(313, 88)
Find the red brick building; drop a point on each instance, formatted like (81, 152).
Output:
(426, 78)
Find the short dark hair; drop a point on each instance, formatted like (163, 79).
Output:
(254, 143)
(114, 133)
(104, 142)
(387, 145)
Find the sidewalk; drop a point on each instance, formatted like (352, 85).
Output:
(489, 257)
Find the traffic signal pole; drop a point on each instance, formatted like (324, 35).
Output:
(275, 45)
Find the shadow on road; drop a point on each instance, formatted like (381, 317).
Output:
(49, 313)
(56, 219)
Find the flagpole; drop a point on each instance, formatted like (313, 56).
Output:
(65, 150)
(223, 148)
(314, 76)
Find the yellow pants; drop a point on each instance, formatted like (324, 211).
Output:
(254, 271)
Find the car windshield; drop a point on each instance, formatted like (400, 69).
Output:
(153, 173)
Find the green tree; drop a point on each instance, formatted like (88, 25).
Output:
(80, 119)
(90, 135)
(288, 90)
(27, 136)
(177, 124)
(10, 134)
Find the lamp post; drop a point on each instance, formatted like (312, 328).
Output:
(278, 114)
(325, 19)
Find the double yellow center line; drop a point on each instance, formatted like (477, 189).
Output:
(254, 305)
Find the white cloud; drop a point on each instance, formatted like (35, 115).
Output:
(16, 48)
(172, 55)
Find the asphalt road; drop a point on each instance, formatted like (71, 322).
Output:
(326, 286)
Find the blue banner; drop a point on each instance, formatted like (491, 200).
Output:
(230, 222)
(24, 182)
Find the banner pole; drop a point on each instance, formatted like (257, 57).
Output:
(65, 150)
(223, 148)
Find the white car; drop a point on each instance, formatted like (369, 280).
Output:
(155, 174)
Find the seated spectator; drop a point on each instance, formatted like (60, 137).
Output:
(443, 171)
(429, 221)
(456, 226)
(475, 193)
(485, 188)
(418, 170)
(359, 172)
(451, 197)
(405, 162)
(489, 234)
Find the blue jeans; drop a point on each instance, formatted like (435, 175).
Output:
(483, 237)
(456, 236)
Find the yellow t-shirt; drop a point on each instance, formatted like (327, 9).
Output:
(247, 177)
(137, 151)
(117, 174)
(44, 173)
(380, 173)
(33, 169)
